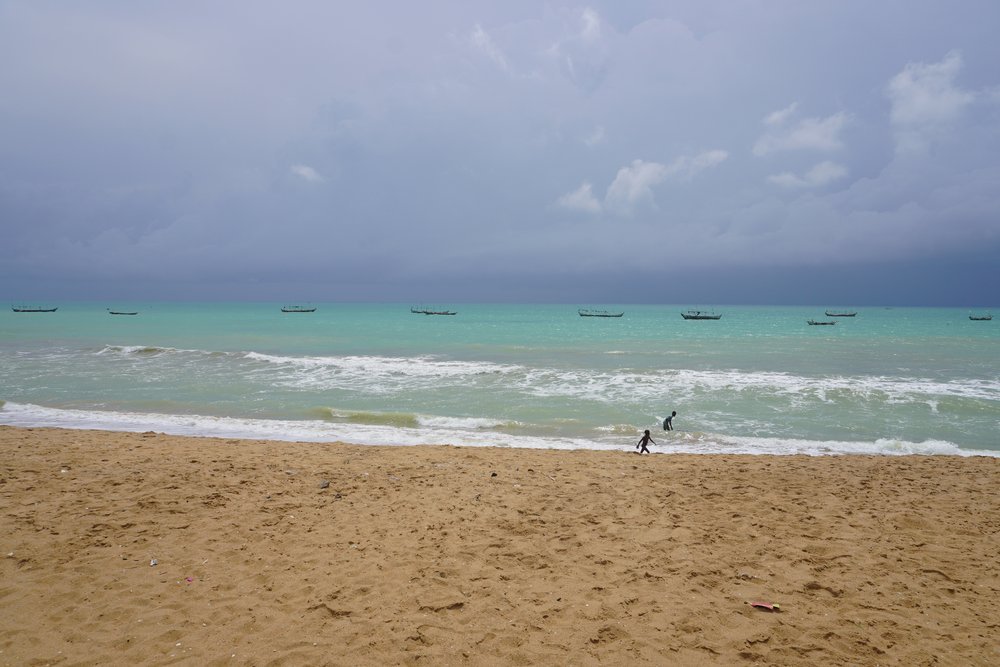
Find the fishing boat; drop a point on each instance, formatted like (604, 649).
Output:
(701, 315)
(841, 313)
(590, 312)
(122, 312)
(981, 318)
(819, 323)
(32, 309)
(431, 311)
(297, 309)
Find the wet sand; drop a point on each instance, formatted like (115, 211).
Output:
(147, 549)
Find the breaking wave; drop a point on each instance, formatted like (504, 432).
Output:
(462, 433)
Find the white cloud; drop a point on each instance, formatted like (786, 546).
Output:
(779, 117)
(634, 184)
(307, 173)
(706, 160)
(687, 167)
(925, 99)
(821, 134)
(581, 199)
(583, 54)
(821, 174)
(591, 25)
(481, 40)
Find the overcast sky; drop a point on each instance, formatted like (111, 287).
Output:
(841, 152)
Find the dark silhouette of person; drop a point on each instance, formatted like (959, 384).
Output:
(668, 423)
(645, 440)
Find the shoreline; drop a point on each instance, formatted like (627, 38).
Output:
(307, 553)
(377, 433)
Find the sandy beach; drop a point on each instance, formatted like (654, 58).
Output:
(147, 549)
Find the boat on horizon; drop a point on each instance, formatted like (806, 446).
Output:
(431, 311)
(590, 312)
(32, 309)
(820, 323)
(980, 318)
(701, 315)
(841, 313)
(122, 312)
(298, 309)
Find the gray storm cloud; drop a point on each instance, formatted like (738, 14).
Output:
(500, 147)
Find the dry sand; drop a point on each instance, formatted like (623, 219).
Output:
(453, 556)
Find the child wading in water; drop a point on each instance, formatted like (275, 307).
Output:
(645, 440)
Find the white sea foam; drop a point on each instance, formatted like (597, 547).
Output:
(27, 415)
(382, 374)
(631, 385)
(374, 374)
(697, 443)
(465, 422)
(421, 366)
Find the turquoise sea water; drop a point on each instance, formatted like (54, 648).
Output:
(760, 380)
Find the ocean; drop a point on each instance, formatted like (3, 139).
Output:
(759, 380)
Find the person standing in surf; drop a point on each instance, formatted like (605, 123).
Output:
(668, 423)
(645, 440)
